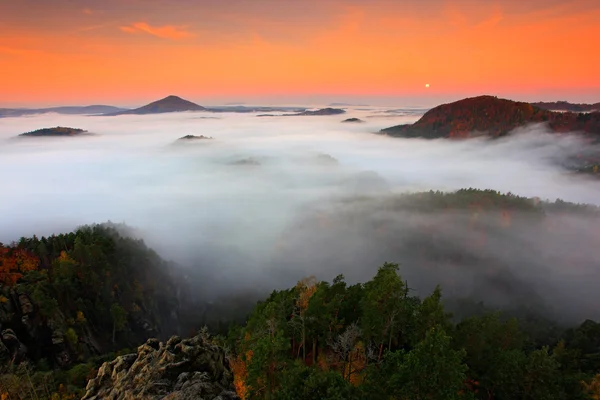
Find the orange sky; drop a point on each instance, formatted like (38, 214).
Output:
(130, 52)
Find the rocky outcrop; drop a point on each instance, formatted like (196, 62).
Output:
(19, 314)
(11, 348)
(175, 370)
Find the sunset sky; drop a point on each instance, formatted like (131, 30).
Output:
(130, 52)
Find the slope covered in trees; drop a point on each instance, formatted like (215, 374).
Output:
(566, 106)
(491, 116)
(56, 131)
(70, 298)
(377, 340)
(69, 302)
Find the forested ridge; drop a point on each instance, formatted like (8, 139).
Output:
(377, 340)
(491, 116)
(69, 302)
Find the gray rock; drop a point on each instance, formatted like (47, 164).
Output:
(25, 303)
(180, 369)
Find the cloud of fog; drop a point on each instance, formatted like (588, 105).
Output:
(268, 225)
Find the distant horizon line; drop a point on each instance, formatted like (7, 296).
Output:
(320, 99)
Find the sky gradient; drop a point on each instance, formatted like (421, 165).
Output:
(130, 52)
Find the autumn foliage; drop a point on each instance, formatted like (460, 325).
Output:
(491, 116)
(14, 262)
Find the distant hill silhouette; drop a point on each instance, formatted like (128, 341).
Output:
(347, 105)
(321, 111)
(94, 109)
(491, 116)
(566, 106)
(166, 105)
(193, 137)
(57, 131)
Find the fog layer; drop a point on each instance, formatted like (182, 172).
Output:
(243, 205)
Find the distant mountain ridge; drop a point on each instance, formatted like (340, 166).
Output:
(319, 112)
(93, 109)
(566, 106)
(168, 104)
(491, 116)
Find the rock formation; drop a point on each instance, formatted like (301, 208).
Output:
(175, 370)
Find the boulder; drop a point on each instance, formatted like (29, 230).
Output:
(175, 370)
(11, 347)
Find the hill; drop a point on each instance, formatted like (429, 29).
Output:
(69, 302)
(57, 131)
(353, 120)
(85, 110)
(194, 137)
(323, 111)
(319, 112)
(491, 116)
(166, 105)
(566, 106)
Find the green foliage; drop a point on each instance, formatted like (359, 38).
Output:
(432, 370)
(374, 341)
(71, 337)
(326, 340)
(384, 306)
(541, 377)
(79, 374)
(299, 382)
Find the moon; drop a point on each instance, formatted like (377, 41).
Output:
(427, 85)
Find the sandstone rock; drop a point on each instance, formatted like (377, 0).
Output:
(179, 369)
(25, 303)
(11, 346)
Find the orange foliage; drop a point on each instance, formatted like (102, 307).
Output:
(15, 262)
(354, 369)
(322, 361)
(239, 367)
(307, 287)
(593, 388)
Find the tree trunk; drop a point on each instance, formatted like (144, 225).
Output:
(114, 331)
(380, 352)
(314, 351)
(303, 342)
(350, 366)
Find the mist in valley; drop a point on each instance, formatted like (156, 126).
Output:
(271, 200)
